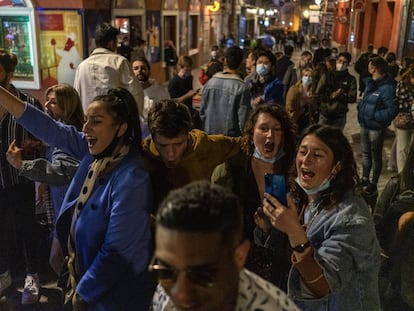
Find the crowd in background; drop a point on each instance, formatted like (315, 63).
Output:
(102, 157)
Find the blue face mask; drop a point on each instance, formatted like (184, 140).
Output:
(306, 80)
(278, 155)
(262, 69)
(325, 184)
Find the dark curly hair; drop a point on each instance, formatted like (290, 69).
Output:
(347, 178)
(122, 106)
(288, 128)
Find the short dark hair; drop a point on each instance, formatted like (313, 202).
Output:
(269, 55)
(288, 50)
(347, 56)
(234, 57)
(379, 63)
(105, 33)
(8, 61)
(203, 207)
(144, 60)
(169, 118)
(391, 57)
(382, 50)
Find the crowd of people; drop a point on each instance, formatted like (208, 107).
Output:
(160, 205)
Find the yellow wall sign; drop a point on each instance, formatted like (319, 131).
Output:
(215, 7)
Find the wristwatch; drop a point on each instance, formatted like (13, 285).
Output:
(300, 248)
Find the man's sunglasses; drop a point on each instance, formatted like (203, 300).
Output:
(203, 277)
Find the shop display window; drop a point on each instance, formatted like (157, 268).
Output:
(17, 36)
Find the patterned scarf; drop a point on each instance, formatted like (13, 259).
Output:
(97, 167)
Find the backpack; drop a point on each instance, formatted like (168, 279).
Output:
(170, 57)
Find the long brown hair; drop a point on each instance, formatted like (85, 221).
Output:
(288, 129)
(67, 98)
(347, 179)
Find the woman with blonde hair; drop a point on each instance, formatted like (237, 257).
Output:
(300, 103)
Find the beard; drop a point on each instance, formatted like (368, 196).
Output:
(143, 78)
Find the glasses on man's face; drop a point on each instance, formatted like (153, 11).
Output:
(203, 276)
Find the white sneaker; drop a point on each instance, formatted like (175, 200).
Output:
(30, 293)
(5, 282)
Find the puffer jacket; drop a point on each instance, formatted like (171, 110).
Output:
(378, 106)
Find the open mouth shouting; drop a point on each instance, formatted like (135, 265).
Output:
(307, 174)
(269, 147)
(91, 142)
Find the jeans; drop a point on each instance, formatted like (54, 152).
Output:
(372, 142)
(18, 223)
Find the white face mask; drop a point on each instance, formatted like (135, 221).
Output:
(325, 184)
(340, 67)
(306, 80)
(262, 69)
(213, 54)
(322, 187)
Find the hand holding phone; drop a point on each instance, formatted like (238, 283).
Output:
(276, 186)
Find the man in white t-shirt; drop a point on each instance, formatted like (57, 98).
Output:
(200, 255)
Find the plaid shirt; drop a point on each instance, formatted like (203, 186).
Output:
(9, 131)
(405, 97)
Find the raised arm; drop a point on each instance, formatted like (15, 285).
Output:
(11, 103)
(42, 126)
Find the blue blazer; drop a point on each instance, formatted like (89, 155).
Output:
(112, 233)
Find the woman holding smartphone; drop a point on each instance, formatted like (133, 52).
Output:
(268, 144)
(336, 255)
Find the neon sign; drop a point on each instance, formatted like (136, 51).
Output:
(215, 7)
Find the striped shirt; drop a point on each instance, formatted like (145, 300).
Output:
(10, 131)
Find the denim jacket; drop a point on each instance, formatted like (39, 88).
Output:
(225, 104)
(346, 248)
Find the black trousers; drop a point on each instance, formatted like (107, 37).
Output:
(19, 232)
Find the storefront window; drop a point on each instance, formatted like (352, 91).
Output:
(16, 39)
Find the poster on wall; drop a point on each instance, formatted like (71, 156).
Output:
(153, 34)
(60, 45)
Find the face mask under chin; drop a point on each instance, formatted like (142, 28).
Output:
(109, 150)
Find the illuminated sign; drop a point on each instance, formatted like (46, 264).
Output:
(215, 7)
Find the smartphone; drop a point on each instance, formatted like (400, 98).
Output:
(276, 186)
